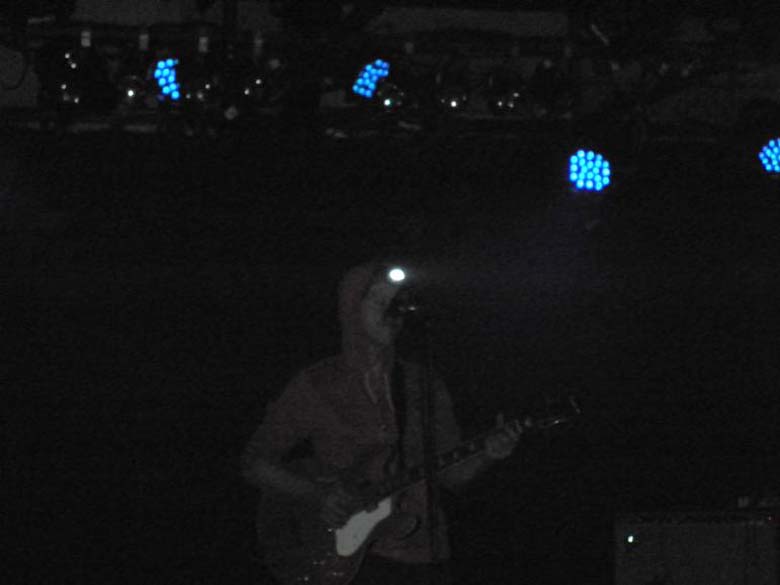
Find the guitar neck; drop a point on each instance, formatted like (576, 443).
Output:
(467, 450)
(416, 474)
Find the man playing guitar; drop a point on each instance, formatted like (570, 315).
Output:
(339, 430)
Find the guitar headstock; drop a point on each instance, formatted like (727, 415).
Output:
(567, 415)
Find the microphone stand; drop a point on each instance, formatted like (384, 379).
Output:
(429, 447)
(432, 488)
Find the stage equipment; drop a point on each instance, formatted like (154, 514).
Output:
(698, 548)
(550, 90)
(452, 82)
(589, 171)
(366, 84)
(253, 88)
(167, 79)
(200, 78)
(453, 99)
(244, 79)
(390, 97)
(277, 82)
(134, 86)
(770, 156)
(132, 91)
(512, 102)
(203, 92)
(74, 78)
(507, 93)
(254, 78)
(18, 15)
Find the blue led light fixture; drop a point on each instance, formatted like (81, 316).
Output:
(589, 171)
(165, 74)
(770, 156)
(369, 77)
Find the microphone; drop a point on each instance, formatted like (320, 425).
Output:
(405, 304)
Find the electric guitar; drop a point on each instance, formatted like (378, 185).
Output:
(300, 549)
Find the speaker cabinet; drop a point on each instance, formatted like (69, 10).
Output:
(739, 548)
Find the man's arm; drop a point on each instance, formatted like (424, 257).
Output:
(334, 504)
(460, 475)
(265, 475)
(497, 447)
(287, 423)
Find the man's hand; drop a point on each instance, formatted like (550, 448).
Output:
(503, 443)
(337, 504)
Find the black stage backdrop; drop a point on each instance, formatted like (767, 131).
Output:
(158, 292)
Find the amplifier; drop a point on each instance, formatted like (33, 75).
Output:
(698, 548)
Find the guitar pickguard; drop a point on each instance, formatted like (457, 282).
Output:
(359, 527)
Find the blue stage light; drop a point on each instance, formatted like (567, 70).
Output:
(369, 77)
(770, 156)
(165, 74)
(589, 171)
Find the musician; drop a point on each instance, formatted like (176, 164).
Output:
(363, 407)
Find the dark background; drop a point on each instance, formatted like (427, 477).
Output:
(159, 291)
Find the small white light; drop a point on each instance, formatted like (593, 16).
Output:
(630, 539)
(396, 275)
(130, 93)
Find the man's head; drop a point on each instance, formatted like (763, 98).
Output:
(381, 327)
(368, 331)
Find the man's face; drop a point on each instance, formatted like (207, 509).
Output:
(380, 328)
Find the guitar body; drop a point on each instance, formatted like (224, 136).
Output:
(299, 549)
